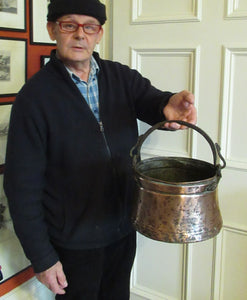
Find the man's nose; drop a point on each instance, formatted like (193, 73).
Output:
(80, 32)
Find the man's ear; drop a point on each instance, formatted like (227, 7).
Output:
(100, 35)
(51, 30)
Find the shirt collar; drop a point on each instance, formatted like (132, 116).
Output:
(94, 70)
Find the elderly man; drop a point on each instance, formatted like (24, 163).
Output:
(68, 170)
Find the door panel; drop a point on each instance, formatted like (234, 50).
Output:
(200, 46)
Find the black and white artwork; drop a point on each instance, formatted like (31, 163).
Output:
(13, 15)
(12, 65)
(5, 65)
(12, 258)
(4, 127)
(8, 6)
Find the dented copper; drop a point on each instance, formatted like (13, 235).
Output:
(176, 197)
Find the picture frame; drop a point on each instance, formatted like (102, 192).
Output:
(38, 20)
(9, 243)
(44, 60)
(13, 65)
(13, 15)
(5, 110)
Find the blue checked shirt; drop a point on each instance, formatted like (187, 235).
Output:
(89, 90)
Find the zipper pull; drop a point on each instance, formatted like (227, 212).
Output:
(101, 127)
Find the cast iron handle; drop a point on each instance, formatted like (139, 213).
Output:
(135, 151)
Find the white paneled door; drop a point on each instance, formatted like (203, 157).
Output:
(200, 46)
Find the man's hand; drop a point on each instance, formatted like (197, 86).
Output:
(54, 279)
(180, 107)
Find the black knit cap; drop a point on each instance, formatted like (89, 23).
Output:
(93, 8)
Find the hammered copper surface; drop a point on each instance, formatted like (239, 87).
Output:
(176, 198)
(174, 210)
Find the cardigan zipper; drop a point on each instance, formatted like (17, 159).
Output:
(100, 125)
(103, 134)
(108, 149)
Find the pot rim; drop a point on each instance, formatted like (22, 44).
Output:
(200, 182)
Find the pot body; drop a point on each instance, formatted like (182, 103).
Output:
(176, 200)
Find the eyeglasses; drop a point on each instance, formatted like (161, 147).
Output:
(66, 26)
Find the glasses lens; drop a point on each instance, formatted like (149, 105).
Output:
(69, 27)
(91, 28)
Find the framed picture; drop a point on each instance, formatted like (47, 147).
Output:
(44, 60)
(13, 69)
(38, 31)
(13, 15)
(9, 244)
(5, 110)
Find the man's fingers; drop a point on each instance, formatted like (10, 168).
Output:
(54, 279)
(61, 279)
(55, 288)
(172, 126)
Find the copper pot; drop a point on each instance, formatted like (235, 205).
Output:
(176, 197)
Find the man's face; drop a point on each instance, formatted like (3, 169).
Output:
(75, 47)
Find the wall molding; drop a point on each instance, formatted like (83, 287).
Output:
(227, 106)
(149, 294)
(233, 231)
(219, 257)
(233, 10)
(139, 17)
(193, 53)
(186, 272)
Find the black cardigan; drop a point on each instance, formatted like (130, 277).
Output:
(63, 185)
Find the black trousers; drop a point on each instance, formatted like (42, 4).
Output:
(99, 274)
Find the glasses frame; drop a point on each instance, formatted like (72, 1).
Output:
(60, 23)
